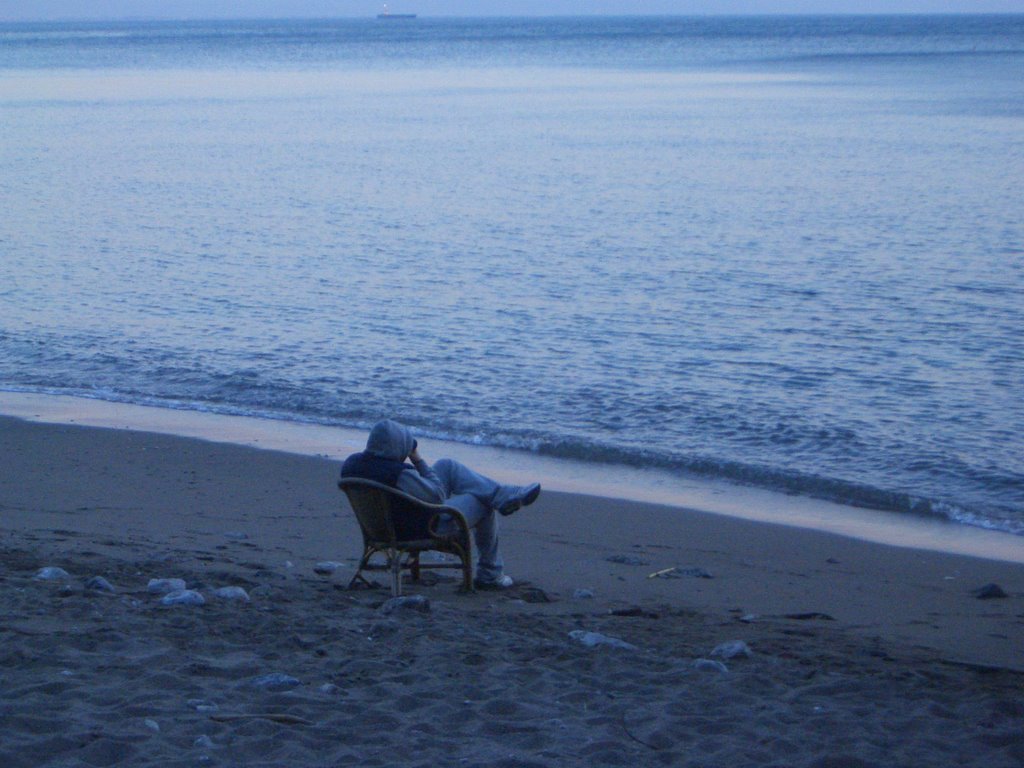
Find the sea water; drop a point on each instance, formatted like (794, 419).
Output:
(786, 252)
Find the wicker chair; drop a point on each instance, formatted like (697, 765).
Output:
(401, 527)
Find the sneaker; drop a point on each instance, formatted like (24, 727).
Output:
(502, 582)
(509, 498)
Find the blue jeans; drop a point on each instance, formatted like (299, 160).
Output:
(471, 494)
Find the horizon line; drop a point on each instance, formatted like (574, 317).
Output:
(376, 17)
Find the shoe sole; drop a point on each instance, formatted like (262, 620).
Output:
(526, 501)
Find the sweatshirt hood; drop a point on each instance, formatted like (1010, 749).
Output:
(390, 440)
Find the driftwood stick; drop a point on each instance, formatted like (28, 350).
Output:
(635, 738)
(277, 717)
(662, 572)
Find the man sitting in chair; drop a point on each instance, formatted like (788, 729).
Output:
(447, 482)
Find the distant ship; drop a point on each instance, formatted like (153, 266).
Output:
(388, 15)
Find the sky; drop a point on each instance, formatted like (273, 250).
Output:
(24, 10)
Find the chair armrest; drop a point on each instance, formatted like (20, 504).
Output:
(358, 481)
(456, 516)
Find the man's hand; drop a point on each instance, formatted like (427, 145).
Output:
(414, 456)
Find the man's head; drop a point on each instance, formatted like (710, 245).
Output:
(390, 440)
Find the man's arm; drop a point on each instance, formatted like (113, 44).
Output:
(423, 483)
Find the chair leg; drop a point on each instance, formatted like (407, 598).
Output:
(466, 556)
(395, 561)
(367, 554)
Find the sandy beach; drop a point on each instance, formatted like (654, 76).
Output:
(767, 645)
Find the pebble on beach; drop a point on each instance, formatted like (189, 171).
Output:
(326, 567)
(52, 573)
(99, 584)
(595, 639)
(732, 650)
(165, 586)
(989, 592)
(710, 665)
(275, 681)
(183, 597)
(232, 593)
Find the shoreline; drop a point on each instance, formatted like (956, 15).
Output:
(565, 475)
(114, 487)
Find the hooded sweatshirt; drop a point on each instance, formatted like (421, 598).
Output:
(387, 447)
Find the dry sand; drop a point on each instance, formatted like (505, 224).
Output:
(861, 654)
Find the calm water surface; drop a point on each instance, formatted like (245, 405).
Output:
(783, 251)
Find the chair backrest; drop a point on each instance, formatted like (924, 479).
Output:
(372, 508)
(387, 514)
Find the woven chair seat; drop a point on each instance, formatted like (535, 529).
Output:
(400, 527)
